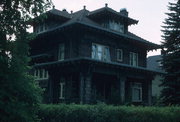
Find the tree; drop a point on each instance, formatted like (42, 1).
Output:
(19, 95)
(171, 55)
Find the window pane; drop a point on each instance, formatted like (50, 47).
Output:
(119, 54)
(61, 52)
(93, 51)
(136, 94)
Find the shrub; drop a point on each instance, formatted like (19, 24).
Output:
(107, 113)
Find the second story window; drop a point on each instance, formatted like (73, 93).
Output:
(100, 52)
(133, 59)
(61, 52)
(119, 55)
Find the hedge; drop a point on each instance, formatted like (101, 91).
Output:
(107, 113)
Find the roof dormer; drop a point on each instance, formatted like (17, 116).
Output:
(111, 19)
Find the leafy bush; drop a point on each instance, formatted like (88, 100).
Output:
(107, 113)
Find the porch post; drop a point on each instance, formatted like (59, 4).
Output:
(81, 88)
(85, 88)
(88, 88)
(150, 92)
(122, 81)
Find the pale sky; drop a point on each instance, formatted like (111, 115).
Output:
(150, 14)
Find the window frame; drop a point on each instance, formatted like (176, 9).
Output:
(62, 90)
(62, 51)
(105, 56)
(132, 61)
(45, 74)
(118, 57)
(137, 86)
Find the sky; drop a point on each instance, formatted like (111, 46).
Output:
(149, 13)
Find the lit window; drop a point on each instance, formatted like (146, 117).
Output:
(62, 89)
(119, 55)
(136, 92)
(100, 52)
(41, 74)
(61, 52)
(133, 59)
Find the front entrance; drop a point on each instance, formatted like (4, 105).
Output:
(105, 89)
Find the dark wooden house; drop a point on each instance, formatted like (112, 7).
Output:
(90, 56)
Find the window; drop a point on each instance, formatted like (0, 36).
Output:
(62, 89)
(41, 74)
(61, 52)
(136, 92)
(119, 55)
(116, 26)
(133, 59)
(41, 28)
(100, 52)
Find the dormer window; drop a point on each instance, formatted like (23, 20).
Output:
(116, 26)
(41, 28)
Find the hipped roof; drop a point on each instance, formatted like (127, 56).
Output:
(82, 18)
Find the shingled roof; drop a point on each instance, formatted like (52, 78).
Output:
(82, 17)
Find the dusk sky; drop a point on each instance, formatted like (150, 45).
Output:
(150, 14)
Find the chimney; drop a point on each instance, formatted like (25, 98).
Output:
(64, 10)
(124, 12)
(84, 7)
(53, 6)
(106, 5)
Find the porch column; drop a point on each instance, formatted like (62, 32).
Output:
(150, 92)
(122, 80)
(85, 88)
(81, 88)
(50, 88)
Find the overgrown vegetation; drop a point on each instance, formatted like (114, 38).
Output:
(19, 95)
(107, 113)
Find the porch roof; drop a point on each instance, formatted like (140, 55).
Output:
(82, 60)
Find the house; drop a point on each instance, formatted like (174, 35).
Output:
(90, 56)
(154, 63)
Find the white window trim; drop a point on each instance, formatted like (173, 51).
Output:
(62, 44)
(139, 88)
(38, 71)
(133, 63)
(118, 58)
(62, 87)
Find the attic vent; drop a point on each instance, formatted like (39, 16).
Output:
(84, 7)
(106, 5)
(124, 12)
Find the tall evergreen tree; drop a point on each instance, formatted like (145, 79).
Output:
(19, 95)
(171, 55)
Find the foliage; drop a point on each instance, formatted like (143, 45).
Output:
(107, 113)
(171, 55)
(19, 95)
